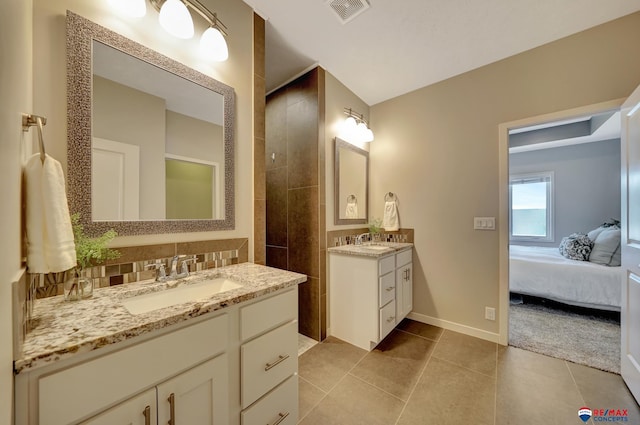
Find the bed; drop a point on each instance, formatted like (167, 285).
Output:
(543, 272)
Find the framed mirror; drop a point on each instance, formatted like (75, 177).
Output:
(351, 183)
(150, 144)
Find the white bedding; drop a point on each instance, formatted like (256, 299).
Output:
(543, 272)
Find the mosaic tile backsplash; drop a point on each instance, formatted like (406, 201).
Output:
(348, 237)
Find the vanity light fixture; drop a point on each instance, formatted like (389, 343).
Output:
(177, 21)
(355, 128)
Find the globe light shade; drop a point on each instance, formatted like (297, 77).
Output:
(131, 8)
(368, 135)
(348, 129)
(362, 132)
(176, 19)
(213, 45)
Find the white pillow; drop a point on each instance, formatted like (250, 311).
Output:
(606, 248)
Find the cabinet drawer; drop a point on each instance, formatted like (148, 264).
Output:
(403, 257)
(386, 265)
(387, 288)
(264, 315)
(268, 360)
(281, 404)
(387, 319)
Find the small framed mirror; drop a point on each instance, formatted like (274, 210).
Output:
(351, 183)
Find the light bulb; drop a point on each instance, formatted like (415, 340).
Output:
(368, 135)
(362, 132)
(349, 129)
(132, 8)
(176, 19)
(213, 45)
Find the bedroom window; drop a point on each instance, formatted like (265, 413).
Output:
(531, 207)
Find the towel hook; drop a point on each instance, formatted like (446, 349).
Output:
(389, 196)
(29, 120)
(352, 198)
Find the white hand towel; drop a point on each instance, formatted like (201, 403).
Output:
(390, 221)
(352, 210)
(50, 246)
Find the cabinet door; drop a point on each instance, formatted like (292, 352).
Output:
(138, 410)
(404, 291)
(197, 396)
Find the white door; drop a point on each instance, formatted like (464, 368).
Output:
(630, 314)
(138, 410)
(115, 180)
(197, 396)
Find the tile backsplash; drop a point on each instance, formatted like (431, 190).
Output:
(132, 265)
(348, 237)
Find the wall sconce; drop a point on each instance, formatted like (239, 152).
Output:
(177, 21)
(355, 128)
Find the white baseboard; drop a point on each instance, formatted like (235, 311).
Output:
(456, 327)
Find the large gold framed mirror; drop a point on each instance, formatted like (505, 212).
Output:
(150, 141)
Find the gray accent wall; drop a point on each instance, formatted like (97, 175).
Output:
(586, 185)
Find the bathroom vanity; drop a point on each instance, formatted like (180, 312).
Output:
(227, 357)
(370, 291)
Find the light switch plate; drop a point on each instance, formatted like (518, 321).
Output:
(484, 223)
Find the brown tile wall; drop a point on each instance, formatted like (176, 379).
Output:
(260, 196)
(294, 163)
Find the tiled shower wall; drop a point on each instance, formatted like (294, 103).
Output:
(295, 195)
(131, 266)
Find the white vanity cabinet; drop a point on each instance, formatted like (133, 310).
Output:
(203, 371)
(368, 295)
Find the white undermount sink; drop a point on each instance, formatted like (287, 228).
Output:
(190, 292)
(374, 247)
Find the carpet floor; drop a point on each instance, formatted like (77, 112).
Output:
(590, 340)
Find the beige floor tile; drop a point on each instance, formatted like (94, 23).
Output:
(420, 329)
(448, 394)
(535, 389)
(326, 363)
(396, 363)
(308, 397)
(604, 390)
(467, 351)
(354, 402)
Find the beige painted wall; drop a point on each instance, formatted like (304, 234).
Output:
(437, 148)
(50, 85)
(15, 98)
(338, 97)
(116, 117)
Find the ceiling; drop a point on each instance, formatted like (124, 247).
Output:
(397, 46)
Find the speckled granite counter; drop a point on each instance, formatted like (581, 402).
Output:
(62, 329)
(379, 249)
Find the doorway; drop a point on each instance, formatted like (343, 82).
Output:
(533, 125)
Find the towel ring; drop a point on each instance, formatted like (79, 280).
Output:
(28, 121)
(352, 199)
(389, 196)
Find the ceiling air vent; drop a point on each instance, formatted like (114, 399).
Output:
(346, 10)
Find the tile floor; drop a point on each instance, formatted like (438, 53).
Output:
(424, 375)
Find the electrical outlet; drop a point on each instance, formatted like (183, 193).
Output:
(490, 313)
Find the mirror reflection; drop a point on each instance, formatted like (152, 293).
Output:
(157, 142)
(351, 183)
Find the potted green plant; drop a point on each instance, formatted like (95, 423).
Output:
(89, 252)
(375, 227)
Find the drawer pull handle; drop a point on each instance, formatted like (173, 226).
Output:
(147, 415)
(281, 417)
(391, 319)
(281, 358)
(172, 409)
(390, 288)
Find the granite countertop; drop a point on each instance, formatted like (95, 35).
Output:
(376, 249)
(64, 328)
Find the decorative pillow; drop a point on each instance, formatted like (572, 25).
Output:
(606, 248)
(611, 224)
(576, 246)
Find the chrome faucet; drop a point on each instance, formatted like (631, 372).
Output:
(184, 272)
(360, 238)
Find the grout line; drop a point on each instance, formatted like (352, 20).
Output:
(313, 385)
(377, 388)
(415, 385)
(466, 368)
(420, 336)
